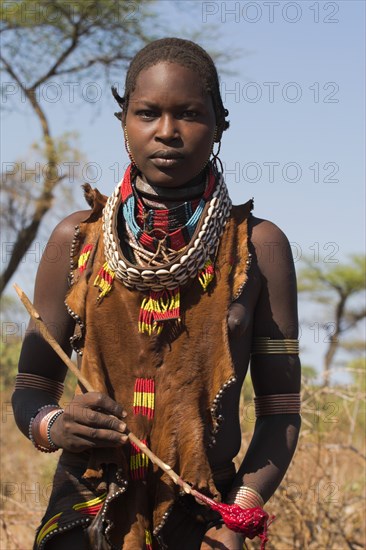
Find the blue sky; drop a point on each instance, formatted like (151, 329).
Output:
(296, 140)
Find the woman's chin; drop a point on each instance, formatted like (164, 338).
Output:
(172, 176)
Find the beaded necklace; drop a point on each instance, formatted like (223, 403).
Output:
(159, 227)
(160, 266)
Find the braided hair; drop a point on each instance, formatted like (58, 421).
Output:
(185, 53)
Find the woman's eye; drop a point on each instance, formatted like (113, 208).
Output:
(147, 114)
(190, 114)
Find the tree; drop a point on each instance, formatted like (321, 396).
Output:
(43, 41)
(340, 287)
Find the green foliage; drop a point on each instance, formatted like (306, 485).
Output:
(339, 286)
(308, 372)
(344, 279)
(46, 41)
(10, 350)
(46, 38)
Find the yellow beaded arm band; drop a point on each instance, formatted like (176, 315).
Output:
(265, 345)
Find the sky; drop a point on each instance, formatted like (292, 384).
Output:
(293, 82)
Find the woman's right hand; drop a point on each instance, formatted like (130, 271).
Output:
(91, 420)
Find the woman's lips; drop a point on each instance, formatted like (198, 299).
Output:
(166, 162)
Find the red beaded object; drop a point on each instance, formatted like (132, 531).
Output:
(158, 307)
(250, 522)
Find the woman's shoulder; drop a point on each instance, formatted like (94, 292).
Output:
(65, 229)
(271, 245)
(263, 231)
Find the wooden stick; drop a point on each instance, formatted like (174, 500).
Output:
(66, 359)
(49, 338)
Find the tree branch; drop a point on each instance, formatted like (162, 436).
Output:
(27, 234)
(103, 60)
(11, 72)
(64, 55)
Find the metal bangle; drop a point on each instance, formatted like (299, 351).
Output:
(30, 434)
(53, 446)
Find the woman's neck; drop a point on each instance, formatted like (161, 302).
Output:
(167, 197)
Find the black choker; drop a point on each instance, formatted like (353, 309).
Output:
(153, 192)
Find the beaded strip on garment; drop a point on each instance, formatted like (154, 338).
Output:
(86, 509)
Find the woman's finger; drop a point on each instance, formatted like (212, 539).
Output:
(100, 401)
(94, 437)
(93, 418)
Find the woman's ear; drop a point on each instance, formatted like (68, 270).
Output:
(121, 102)
(119, 115)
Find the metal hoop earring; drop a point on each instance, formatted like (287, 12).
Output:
(128, 148)
(216, 161)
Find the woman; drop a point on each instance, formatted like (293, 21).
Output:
(171, 292)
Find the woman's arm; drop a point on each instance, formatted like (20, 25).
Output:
(275, 435)
(78, 428)
(37, 357)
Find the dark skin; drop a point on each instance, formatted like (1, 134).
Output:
(170, 111)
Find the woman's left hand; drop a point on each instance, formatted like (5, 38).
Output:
(222, 538)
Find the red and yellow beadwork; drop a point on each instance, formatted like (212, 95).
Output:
(91, 507)
(139, 462)
(48, 527)
(84, 257)
(144, 397)
(207, 274)
(157, 308)
(148, 539)
(104, 280)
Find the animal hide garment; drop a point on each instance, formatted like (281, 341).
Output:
(188, 365)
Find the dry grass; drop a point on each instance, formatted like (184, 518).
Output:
(319, 506)
(26, 475)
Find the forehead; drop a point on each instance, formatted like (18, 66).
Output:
(169, 82)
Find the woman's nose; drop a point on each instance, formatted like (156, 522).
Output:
(167, 128)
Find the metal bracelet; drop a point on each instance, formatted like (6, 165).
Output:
(53, 446)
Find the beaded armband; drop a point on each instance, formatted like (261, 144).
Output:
(245, 497)
(26, 380)
(265, 345)
(279, 403)
(40, 428)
